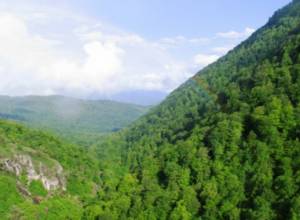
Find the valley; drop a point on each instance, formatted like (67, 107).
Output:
(223, 145)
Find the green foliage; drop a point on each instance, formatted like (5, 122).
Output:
(225, 145)
(37, 189)
(80, 169)
(52, 209)
(9, 195)
(83, 120)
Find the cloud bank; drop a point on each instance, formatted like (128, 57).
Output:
(42, 53)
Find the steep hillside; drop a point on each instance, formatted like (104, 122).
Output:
(42, 177)
(225, 145)
(68, 115)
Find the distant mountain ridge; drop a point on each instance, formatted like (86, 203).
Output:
(63, 114)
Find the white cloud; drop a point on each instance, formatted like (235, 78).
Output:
(173, 40)
(222, 50)
(205, 59)
(236, 35)
(183, 41)
(55, 52)
(200, 40)
(104, 62)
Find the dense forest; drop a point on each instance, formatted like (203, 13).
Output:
(224, 145)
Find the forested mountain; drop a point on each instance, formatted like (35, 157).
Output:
(68, 115)
(42, 177)
(225, 145)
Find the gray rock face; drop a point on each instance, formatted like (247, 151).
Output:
(52, 178)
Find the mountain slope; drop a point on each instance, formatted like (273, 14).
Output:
(42, 177)
(225, 145)
(68, 115)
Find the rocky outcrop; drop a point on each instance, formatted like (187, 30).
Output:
(51, 178)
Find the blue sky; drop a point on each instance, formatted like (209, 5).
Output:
(159, 18)
(130, 50)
